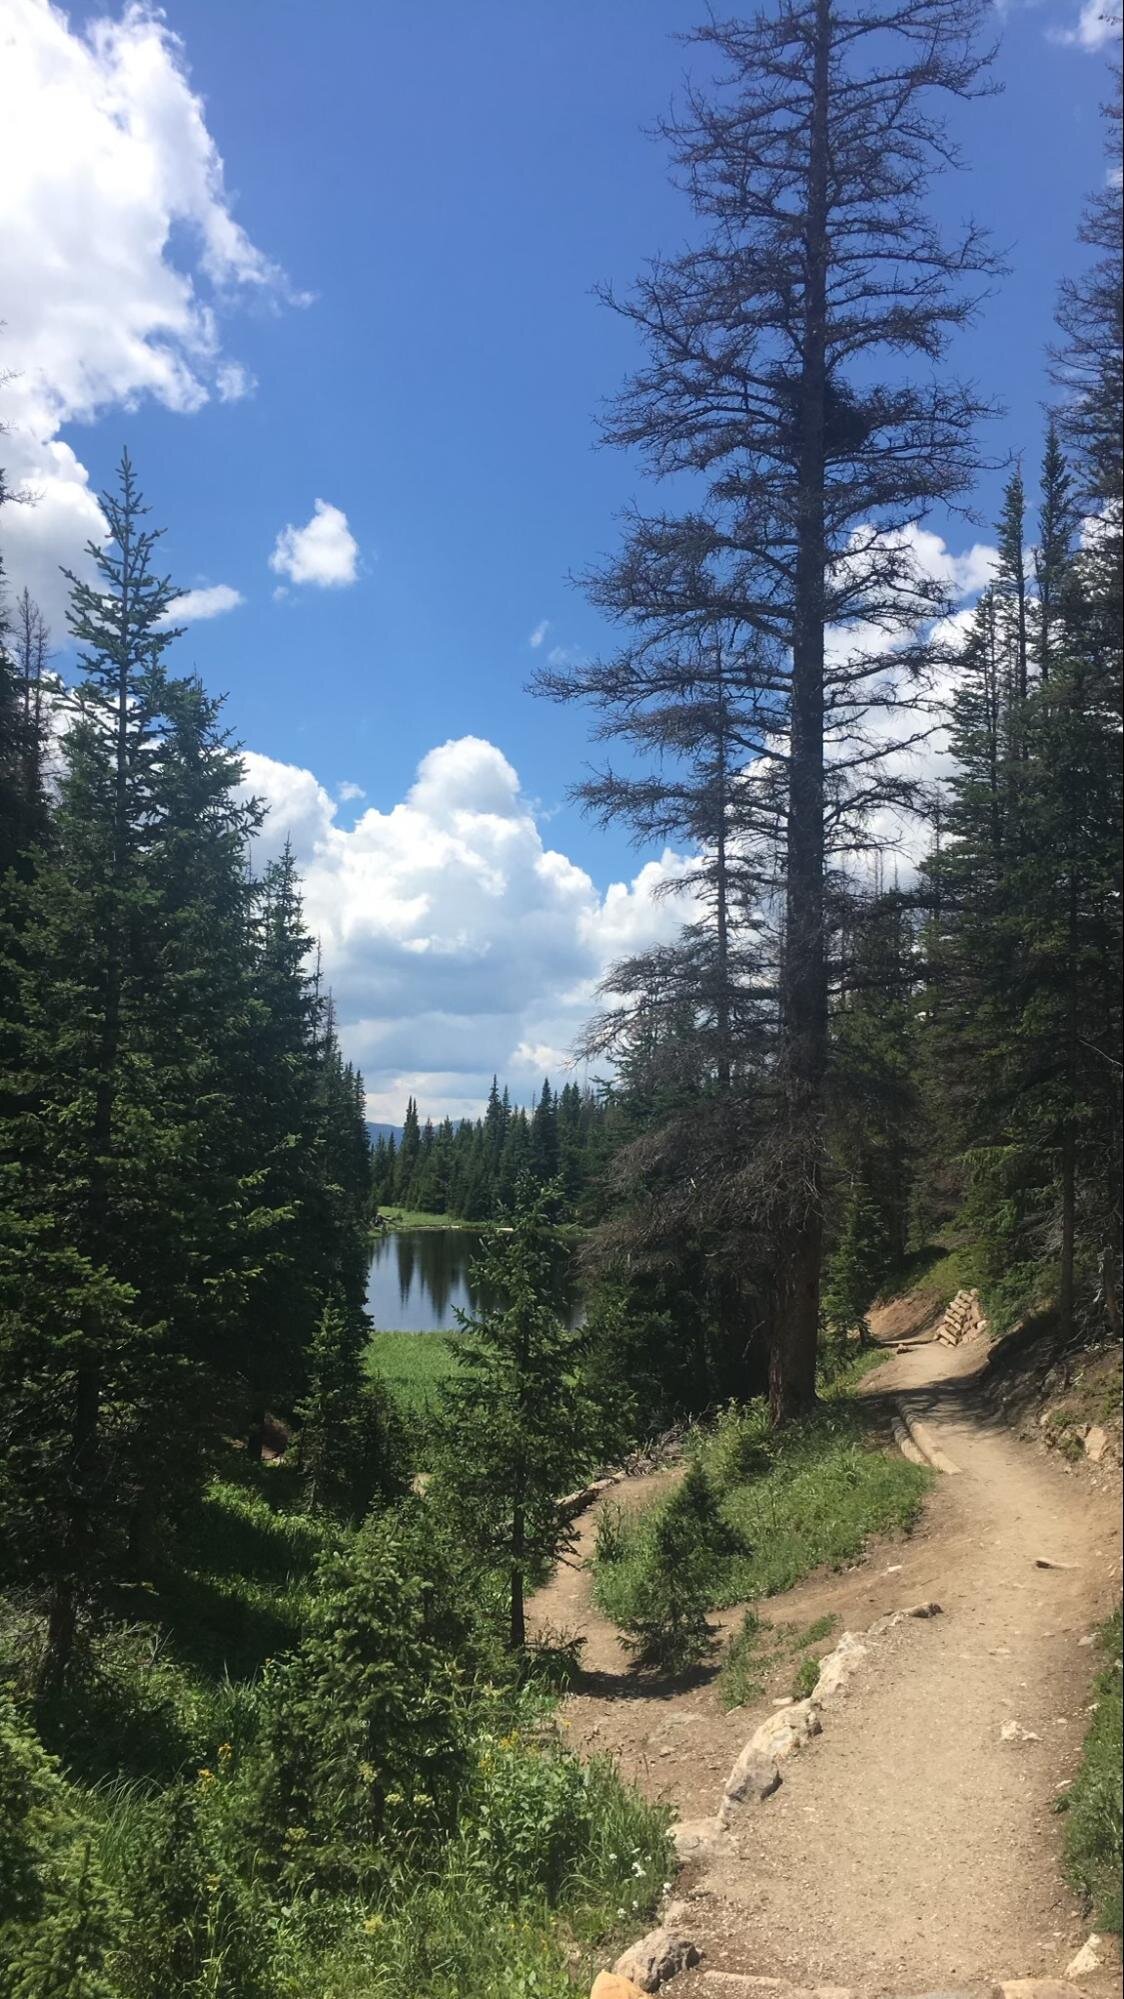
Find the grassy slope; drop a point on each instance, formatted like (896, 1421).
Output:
(1095, 1804)
(420, 1218)
(413, 1365)
(813, 1494)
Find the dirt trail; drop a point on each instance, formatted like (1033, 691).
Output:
(910, 1846)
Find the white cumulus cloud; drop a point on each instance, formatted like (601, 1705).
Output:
(1097, 27)
(105, 159)
(210, 601)
(457, 944)
(324, 551)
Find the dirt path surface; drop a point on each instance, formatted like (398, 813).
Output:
(911, 1847)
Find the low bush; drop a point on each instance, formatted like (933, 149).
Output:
(386, 1808)
(56, 1915)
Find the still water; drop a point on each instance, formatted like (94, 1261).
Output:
(419, 1279)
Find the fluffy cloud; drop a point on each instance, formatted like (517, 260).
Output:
(538, 635)
(1098, 25)
(324, 551)
(105, 159)
(208, 602)
(456, 943)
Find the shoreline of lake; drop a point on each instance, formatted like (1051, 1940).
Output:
(420, 1278)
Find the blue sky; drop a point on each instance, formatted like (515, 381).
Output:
(441, 186)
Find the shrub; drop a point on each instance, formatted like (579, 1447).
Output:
(194, 1924)
(366, 1742)
(530, 1815)
(56, 1919)
(666, 1625)
(740, 1678)
(736, 1450)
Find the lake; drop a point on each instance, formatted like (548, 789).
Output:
(419, 1279)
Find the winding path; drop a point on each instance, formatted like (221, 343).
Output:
(914, 1846)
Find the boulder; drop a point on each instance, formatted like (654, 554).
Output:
(1096, 1443)
(755, 1775)
(1089, 1958)
(661, 1955)
(692, 1837)
(1036, 1988)
(785, 1731)
(753, 1778)
(838, 1667)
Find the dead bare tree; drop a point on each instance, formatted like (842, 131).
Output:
(791, 386)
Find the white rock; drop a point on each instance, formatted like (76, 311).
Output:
(785, 1731)
(691, 1837)
(839, 1666)
(655, 1958)
(752, 1778)
(1096, 1443)
(1013, 1731)
(1088, 1958)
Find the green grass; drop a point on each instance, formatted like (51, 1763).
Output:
(1095, 1803)
(810, 1495)
(413, 1366)
(939, 1269)
(759, 1651)
(420, 1218)
(456, 1930)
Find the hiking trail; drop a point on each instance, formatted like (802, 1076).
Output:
(913, 1846)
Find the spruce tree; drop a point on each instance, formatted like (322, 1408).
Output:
(517, 1425)
(87, 1117)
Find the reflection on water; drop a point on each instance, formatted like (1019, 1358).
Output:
(419, 1279)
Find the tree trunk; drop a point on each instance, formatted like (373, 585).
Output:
(518, 1633)
(792, 1385)
(1069, 1214)
(255, 1435)
(724, 1065)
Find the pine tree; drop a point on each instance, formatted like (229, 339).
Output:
(544, 1136)
(409, 1152)
(348, 1449)
(86, 1129)
(290, 1279)
(517, 1424)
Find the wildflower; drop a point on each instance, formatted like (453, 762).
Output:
(225, 1752)
(373, 1924)
(394, 1798)
(205, 1776)
(422, 1799)
(368, 1772)
(213, 1884)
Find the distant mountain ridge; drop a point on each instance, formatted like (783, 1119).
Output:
(377, 1131)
